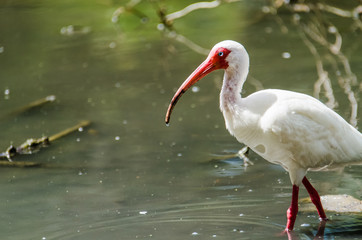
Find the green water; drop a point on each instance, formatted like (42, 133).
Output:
(128, 176)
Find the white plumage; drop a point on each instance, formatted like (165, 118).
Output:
(291, 129)
(288, 128)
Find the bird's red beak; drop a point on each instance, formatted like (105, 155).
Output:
(201, 71)
(213, 62)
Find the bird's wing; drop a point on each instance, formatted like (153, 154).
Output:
(314, 135)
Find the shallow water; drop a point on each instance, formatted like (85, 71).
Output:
(128, 176)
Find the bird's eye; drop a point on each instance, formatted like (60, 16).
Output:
(220, 54)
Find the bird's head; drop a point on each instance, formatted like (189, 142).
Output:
(224, 55)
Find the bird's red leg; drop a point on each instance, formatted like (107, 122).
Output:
(314, 196)
(292, 210)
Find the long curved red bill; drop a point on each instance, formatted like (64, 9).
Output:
(201, 71)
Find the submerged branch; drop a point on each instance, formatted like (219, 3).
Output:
(67, 131)
(19, 164)
(34, 104)
(32, 145)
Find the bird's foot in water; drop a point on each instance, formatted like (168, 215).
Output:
(243, 154)
(318, 235)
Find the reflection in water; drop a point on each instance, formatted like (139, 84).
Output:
(241, 154)
(318, 235)
(349, 227)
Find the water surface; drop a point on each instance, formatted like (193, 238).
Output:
(128, 176)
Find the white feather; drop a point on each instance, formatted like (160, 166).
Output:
(287, 128)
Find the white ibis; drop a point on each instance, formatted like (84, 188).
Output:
(287, 128)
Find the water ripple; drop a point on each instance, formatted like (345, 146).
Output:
(211, 219)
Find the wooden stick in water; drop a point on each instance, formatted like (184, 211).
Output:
(36, 103)
(19, 164)
(82, 124)
(31, 146)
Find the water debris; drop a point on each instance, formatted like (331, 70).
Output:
(32, 145)
(286, 55)
(21, 164)
(143, 212)
(335, 203)
(81, 124)
(72, 30)
(32, 105)
(195, 89)
(6, 93)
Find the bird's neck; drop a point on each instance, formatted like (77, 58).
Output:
(230, 96)
(239, 119)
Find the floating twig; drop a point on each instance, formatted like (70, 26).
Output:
(19, 164)
(31, 105)
(82, 124)
(32, 145)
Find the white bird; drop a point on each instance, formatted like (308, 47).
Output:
(287, 128)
